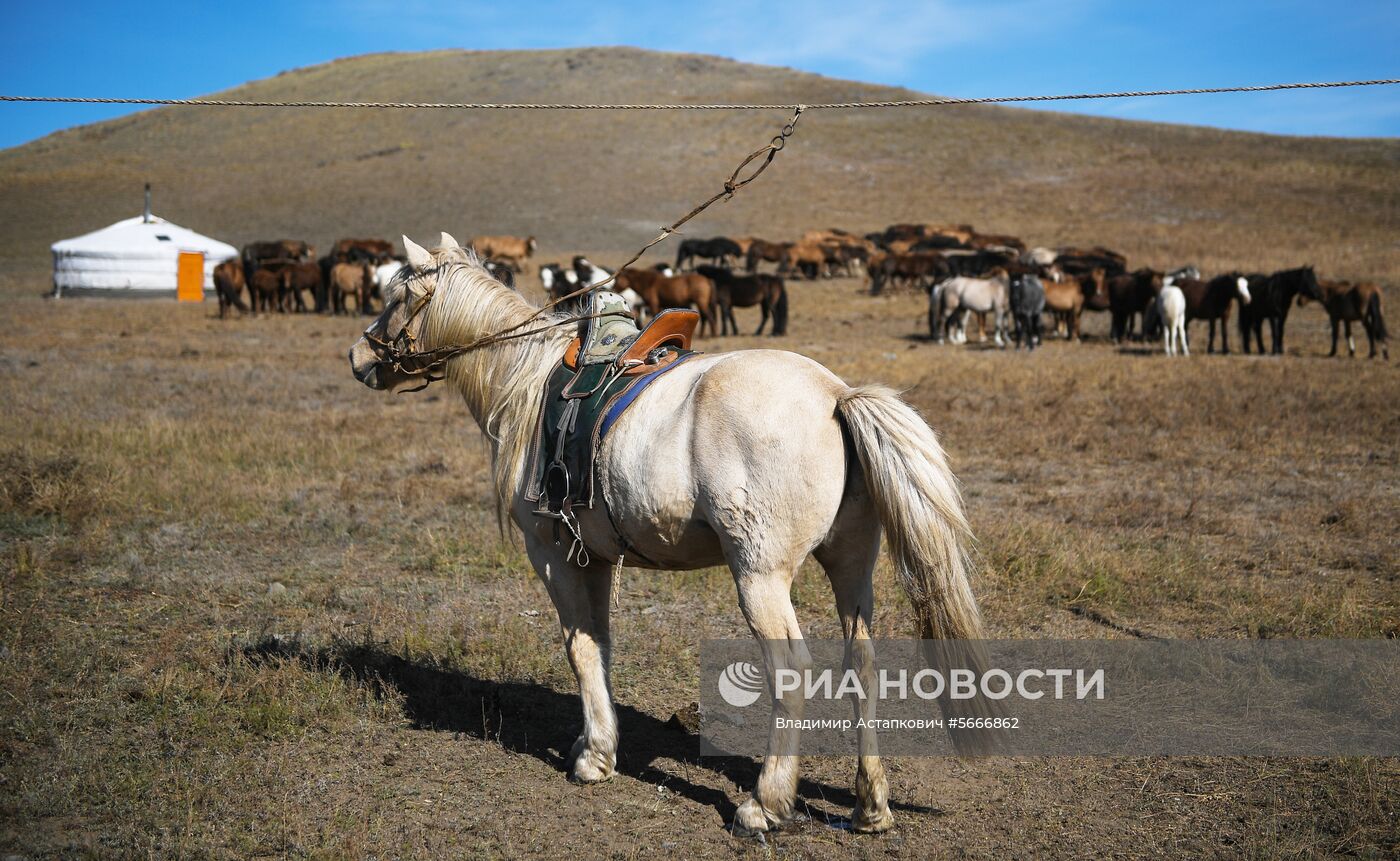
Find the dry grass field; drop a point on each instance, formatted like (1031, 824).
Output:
(249, 608)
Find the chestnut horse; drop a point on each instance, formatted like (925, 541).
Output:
(754, 459)
(660, 292)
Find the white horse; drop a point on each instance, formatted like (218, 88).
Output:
(956, 297)
(753, 459)
(1171, 307)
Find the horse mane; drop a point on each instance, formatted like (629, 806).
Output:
(501, 383)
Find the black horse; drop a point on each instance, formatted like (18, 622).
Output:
(1027, 307)
(720, 251)
(744, 291)
(1272, 297)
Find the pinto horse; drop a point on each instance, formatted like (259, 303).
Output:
(1272, 297)
(753, 459)
(745, 291)
(1211, 301)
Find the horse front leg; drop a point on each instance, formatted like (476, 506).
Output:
(1335, 327)
(1351, 342)
(763, 320)
(580, 596)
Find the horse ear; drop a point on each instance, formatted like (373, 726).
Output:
(418, 256)
(448, 241)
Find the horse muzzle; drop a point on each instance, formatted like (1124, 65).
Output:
(365, 364)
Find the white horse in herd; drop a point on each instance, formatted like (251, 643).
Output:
(1171, 305)
(753, 459)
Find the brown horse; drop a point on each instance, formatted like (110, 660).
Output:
(265, 291)
(807, 259)
(1130, 295)
(1211, 301)
(1064, 299)
(745, 291)
(229, 284)
(1347, 302)
(297, 277)
(660, 292)
(761, 250)
(351, 279)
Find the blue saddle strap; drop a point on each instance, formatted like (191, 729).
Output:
(620, 405)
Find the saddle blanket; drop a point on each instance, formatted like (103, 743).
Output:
(580, 407)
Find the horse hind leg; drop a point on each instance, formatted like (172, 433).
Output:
(764, 598)
(849, 562)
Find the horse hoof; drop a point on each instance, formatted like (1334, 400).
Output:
(751, 820)
(865, 822)
(591, 768)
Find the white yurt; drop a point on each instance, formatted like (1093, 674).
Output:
(140, 256)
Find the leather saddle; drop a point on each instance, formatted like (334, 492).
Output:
(615, 338)
(599, 376)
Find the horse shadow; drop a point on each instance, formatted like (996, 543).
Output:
(524, 717)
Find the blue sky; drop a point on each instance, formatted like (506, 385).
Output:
(950, 47)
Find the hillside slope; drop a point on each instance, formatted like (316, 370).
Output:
(604, 181)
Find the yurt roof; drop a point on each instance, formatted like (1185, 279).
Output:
(136, 237)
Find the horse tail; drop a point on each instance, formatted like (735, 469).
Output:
(920, 508)
(780, 311)
(1373, 310)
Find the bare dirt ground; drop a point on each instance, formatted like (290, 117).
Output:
(249, 608)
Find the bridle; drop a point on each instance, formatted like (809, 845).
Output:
(402, 354)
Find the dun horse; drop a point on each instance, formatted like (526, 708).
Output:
(753, 459)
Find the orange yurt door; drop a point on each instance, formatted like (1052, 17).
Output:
(189, 284)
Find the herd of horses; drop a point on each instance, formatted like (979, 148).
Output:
(967, 274)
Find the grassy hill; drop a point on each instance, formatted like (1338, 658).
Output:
(603, 181)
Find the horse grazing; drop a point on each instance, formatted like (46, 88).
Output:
(951, 301)
(751, 458)
(718, 251)
(1272, 296)
(1171, 307)
(1130, 295)
(659, 292)
(1211, 301)
(745, 291)
(805, 259)
(229, 284)
(922, 268)
(1347, 303)
(761, 250)
(1027, 306)
(510, 250)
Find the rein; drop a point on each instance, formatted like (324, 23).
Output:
(401, 351)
